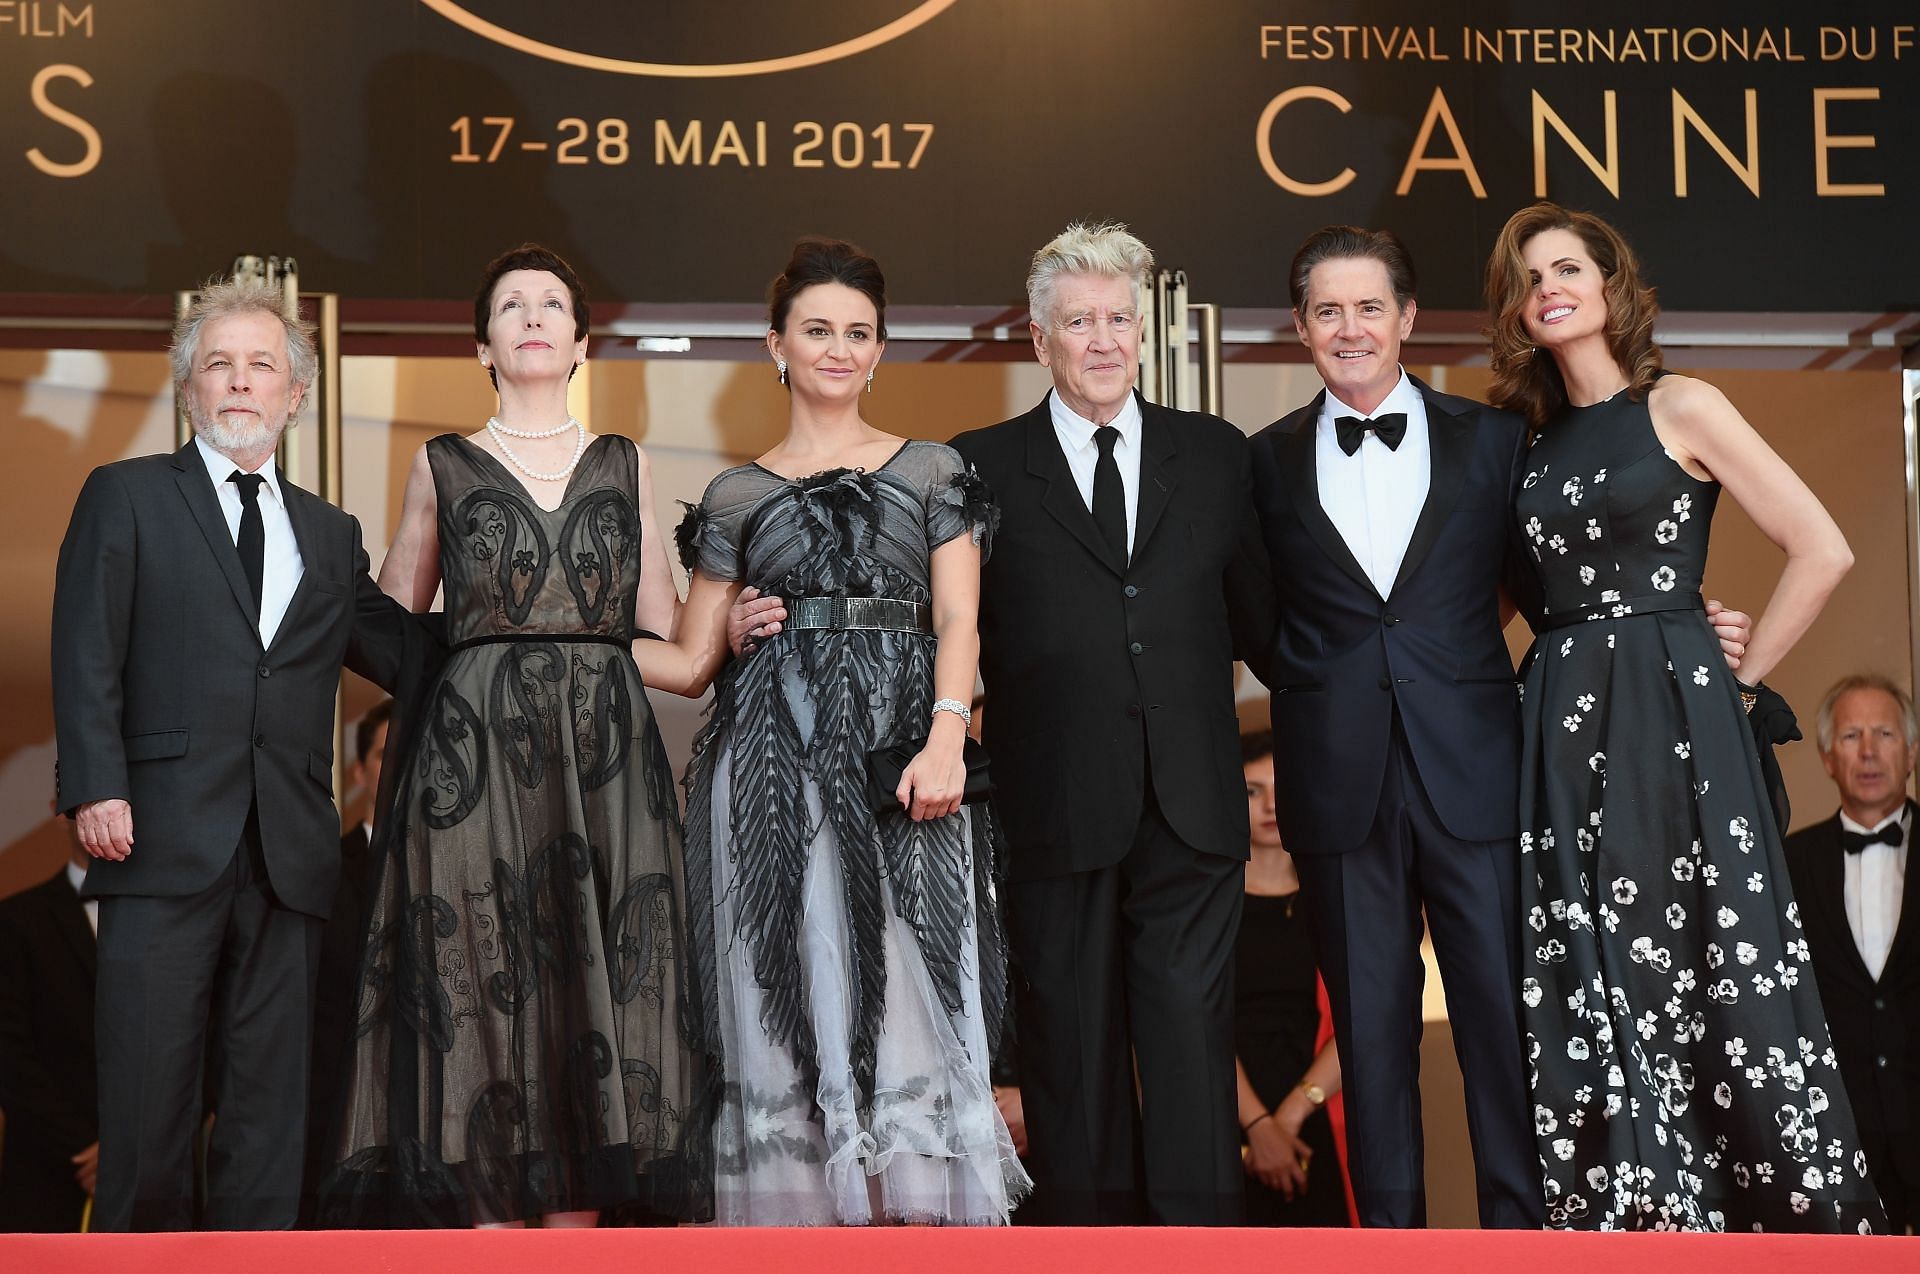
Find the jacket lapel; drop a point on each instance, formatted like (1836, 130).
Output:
(1831, 887)
(70, 914)
(191, 476)
(1907, 932)
(1047, 462)
(300, 517)
(1294, 457)
(1449, 439)
(1159, 471)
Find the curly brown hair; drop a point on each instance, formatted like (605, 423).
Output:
(1525, 379)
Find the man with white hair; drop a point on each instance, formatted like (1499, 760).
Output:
(1860, 908)
(203, 607)
(1127, 575)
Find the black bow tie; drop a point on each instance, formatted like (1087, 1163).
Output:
(1349, 430)
(1854, 842)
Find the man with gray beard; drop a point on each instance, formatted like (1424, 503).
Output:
(203, 607)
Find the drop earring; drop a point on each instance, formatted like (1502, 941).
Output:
(781, 363)
(869, 382)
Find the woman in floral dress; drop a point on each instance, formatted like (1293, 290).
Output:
(1683, 1076)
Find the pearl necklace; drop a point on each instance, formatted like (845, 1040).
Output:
(494, 424)
(498, 431)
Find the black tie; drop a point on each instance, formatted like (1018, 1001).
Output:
(1349, 430)
(1109, 497)
(1854, 842)
(253, 533)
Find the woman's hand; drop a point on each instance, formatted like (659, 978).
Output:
(1277, 1158)
(935, 780)
(1734, 629)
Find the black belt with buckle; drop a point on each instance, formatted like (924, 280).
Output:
(894, 614)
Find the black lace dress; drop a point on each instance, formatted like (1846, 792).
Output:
(1683, 1076)
(525, 1036)
(860, 972)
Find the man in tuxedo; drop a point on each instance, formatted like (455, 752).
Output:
(337, 985)
(52, 1148)
(1387, 513)
(1126, 575)
(203, 606)
(1860, 909)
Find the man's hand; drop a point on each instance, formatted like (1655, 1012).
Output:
(105, 828)
(1734, 628)
(752, 620)
(87, 1167)
(1014, 1112)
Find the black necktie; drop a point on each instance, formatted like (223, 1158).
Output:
(1854, 842)
(253, 533)
(1109, 497)
(1349, 430)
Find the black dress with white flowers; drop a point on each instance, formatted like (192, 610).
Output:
(1682, 1072)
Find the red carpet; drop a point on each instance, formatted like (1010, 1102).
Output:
(920, 1251)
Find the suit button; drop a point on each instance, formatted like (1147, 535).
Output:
(1389, 620)
(1881, 1061)
(1133, 709)
(1136, 648)
(1386, 684)
(259, 740)
(1131, 591)
(265, 671)
(1879, 1002)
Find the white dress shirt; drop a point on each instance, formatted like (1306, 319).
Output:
(283, 564)
(1876, 878)
(76, 876)
(1083, 453)
(1374, 496)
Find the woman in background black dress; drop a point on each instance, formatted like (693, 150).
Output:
(1294, 1174)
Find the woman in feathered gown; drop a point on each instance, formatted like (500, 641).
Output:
(858, 970)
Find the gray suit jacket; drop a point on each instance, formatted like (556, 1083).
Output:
(164, 697)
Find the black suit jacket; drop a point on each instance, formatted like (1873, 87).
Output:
(1870, 1020)
(164, 697)
(1345, 658)
(1101, 672)
(47, 1083)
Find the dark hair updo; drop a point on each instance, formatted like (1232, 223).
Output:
(528, 256)
(816, 260)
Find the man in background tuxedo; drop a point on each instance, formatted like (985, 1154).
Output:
(1861, 912)
(52, 1149)
(336, 993)
(203, 606)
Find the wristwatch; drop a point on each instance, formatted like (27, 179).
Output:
(1315, 1094)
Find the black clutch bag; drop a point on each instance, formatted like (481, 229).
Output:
(886, 765)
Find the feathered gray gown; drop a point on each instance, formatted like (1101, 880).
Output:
(857, 978)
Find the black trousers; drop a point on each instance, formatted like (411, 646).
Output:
(1130, 966)
(222, 979)
(1366, 907)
